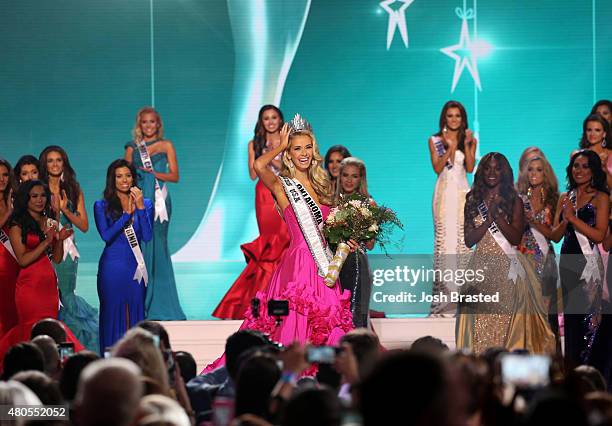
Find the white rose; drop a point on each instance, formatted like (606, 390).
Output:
(365, 212)
(373, 228)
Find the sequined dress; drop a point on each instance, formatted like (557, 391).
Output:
(450, 251)
(544, 265)
(518, 320)
(581, 299)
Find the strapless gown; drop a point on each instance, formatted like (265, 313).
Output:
(36, 298)
(262, 256)
(317, 314)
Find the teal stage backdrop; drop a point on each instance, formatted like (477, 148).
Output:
(369, 75)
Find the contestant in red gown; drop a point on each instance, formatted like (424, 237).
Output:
(263, 254)
(8, 264)
(36, 295)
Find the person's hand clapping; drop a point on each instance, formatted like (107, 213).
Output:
(568, 210)
(51, 233)
(469, 138)
(65, 233)
(63, 201)
(136, 196)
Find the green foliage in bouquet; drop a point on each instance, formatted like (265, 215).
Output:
(357, 217)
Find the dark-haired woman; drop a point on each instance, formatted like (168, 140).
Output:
(596, 137)
(27, 168)
(9, 268)
(514, 316)
(155, 159)
(453, 154)
(123, 219)
(263, 254)
(582, 221)
(35, 240)
(68, 203)
(333, 158)
(603, 107)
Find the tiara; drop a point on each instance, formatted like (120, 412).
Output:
(299, 124)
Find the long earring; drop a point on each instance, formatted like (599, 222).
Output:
(445, 129)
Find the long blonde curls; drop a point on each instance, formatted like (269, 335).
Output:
(137, 133)
(316, 174)
(363, 183)
(550, 184)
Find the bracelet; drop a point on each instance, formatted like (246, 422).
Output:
(289, 377)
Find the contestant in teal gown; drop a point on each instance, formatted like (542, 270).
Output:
(162, 301)
(67, 198)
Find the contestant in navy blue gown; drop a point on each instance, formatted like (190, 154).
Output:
(122, 297)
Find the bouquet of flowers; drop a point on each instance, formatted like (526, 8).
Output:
(356, 217)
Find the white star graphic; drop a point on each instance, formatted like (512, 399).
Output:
(397, 19)
(464, 59)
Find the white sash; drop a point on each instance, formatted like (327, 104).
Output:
(591, 269)
(516, 269)
(69, 246)
(161, 213)
(4, 239)
(310, 219)
(440, 150)
(141, 268)
(539, 237)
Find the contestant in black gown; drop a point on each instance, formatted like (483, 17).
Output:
(582, 220)
(355, 274)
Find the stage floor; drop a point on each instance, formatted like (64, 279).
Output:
(205, 340)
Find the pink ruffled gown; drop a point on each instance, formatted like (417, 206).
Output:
(317, 314)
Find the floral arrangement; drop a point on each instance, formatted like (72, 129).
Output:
(356, 217)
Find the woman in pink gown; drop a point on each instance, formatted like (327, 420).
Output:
(318, 314)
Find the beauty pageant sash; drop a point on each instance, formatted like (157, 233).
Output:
(516, 269)
(141, 268)
(69, 246)
(310, 218)
(440, 150)
(161, 213)
(591, 269)
(4, 239)
(539, 237)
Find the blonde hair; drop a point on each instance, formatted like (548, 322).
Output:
(316, 174)
(532, 151)
(550, 184)
(137, 133)
(138, 345)
(363, 184)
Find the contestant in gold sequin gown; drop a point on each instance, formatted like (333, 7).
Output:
(516, 317)
(518, 321)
